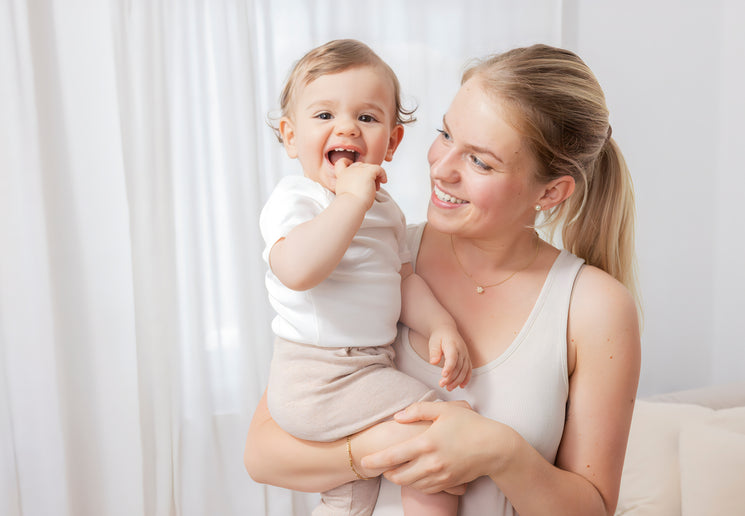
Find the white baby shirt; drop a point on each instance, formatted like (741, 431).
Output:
(359, 304)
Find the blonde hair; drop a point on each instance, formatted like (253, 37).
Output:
(333, 57)
(558, 106)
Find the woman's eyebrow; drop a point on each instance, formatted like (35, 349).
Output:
(471, 147)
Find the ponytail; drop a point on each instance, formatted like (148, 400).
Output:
(600, 220)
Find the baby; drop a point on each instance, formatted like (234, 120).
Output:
(340, 274)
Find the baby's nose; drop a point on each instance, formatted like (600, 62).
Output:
(347, 125)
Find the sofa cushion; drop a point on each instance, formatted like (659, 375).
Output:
(712, 464)
(650, 484)
(722, 396)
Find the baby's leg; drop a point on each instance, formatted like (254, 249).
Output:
(355, 498)
(416, 503)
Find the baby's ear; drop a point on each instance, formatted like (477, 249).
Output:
(287, 131)
(395, 138)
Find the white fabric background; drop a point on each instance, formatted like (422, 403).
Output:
(134, 159)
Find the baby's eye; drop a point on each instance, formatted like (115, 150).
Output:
(444, 134)
(476, 161)
(324, 116)
(367, 118)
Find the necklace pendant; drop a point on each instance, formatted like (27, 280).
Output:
(480, 289)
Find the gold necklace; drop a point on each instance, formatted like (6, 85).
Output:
(480, 289)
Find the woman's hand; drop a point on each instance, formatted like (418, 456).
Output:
(458, 447)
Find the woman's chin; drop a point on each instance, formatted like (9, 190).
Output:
(441, 218)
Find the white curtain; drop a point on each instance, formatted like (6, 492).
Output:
(134, 160)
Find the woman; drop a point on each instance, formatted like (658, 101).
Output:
(554, 343)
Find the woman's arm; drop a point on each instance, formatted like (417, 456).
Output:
(272, 456)
(604, 330)
(604, 370)
(604, 362)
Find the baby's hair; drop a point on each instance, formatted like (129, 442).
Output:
(334, 57)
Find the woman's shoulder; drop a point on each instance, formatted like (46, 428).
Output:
(603, 323)
(601, 305)
(597, 291)
(594, 284)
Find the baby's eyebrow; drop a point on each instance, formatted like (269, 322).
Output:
(377, 108)
(374, 106)
(321, 104)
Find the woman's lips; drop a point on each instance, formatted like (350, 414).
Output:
(446, 197)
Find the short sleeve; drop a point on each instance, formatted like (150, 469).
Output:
(397, 219)
(294, 200)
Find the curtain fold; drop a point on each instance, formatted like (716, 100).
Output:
(186, 83)
(67, 308)
(136, 156)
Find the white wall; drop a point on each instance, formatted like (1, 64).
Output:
(674, 77)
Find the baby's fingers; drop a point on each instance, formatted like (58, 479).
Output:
(382, 177)
(341, 164)
(435, 352)
(468, 376)
(460, 376)
(464, 375)
(452, 357)
(452, 366)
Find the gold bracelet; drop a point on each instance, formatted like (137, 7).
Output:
(351, 462)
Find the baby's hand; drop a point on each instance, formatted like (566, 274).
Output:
(446, 344)
(360, 179)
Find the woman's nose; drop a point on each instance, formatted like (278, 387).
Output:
(443, 163)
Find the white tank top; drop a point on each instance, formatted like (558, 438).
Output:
(526, 387)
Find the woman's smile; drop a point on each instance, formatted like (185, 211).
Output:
(446, 197)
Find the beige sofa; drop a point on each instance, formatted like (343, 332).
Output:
(686, 454)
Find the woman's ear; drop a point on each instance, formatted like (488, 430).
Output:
(395, 138)
(556, 191)
(287, 131)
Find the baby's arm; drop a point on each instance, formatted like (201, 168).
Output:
(421, 312)
(312, 250)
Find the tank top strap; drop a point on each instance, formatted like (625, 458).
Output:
(560, 282)
(414, 234)
(560, 285)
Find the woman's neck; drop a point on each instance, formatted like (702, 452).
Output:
(484, 258)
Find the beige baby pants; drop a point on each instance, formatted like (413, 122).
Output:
(324, 394)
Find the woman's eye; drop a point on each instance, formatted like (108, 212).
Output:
(444, 134)
(324, 116)
(367, 118)
(476, 161)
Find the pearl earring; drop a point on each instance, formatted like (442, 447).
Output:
(538, 207)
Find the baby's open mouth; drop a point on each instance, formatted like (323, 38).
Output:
(335, 155)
